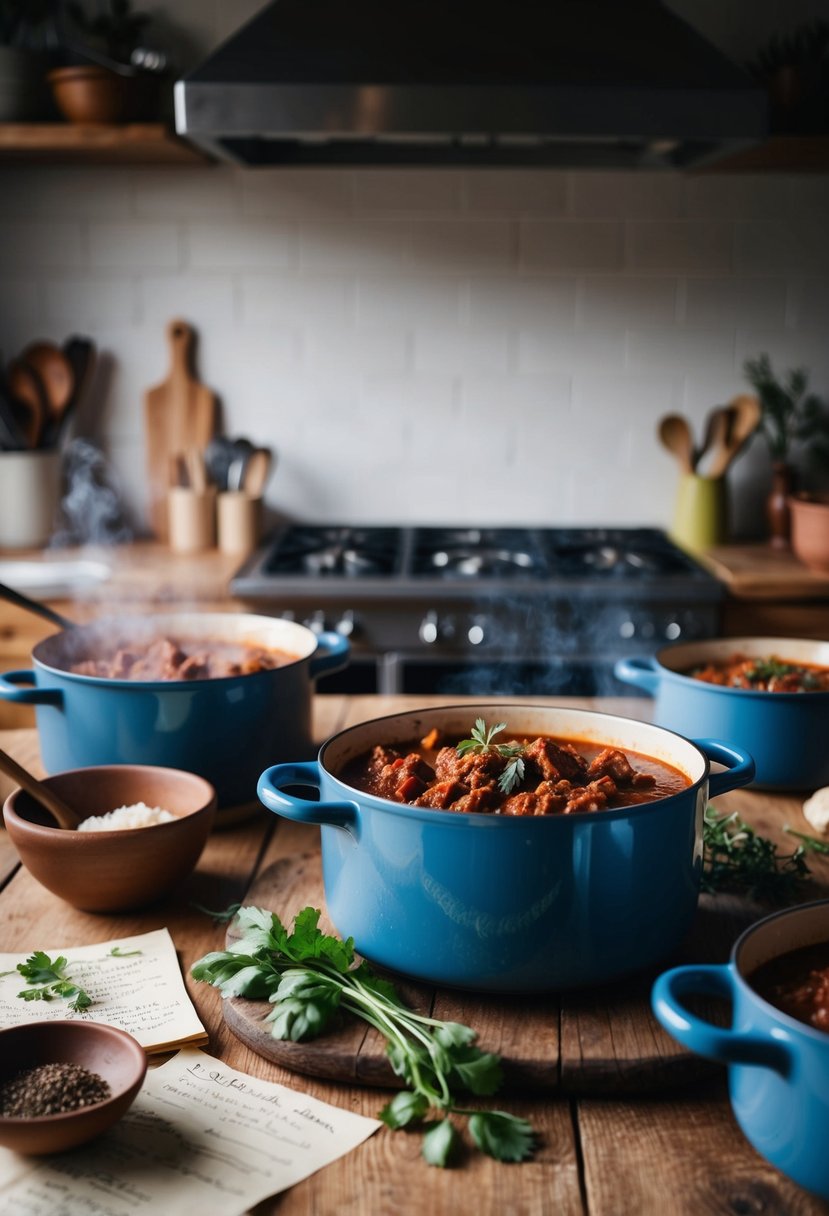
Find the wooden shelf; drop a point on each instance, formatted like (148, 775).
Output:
(66, 143)
(778, 154)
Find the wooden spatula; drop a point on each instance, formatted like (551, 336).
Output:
(179, 414)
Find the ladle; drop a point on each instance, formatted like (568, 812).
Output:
(64, 814)
(23, 601)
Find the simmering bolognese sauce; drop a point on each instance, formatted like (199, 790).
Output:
(797, 983)
(524, 775)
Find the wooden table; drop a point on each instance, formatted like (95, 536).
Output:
(674, 1152)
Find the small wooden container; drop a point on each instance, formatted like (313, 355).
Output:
(191, 519)
(238, 517)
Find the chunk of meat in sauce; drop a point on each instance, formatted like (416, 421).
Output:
(471, 769)
(555, 761)
(401, 778)
(615, 764)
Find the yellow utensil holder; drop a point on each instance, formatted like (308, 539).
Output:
(701, 512)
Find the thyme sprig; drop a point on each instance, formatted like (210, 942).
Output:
(738, 859)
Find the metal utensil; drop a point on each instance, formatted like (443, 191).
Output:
(66, 816)
(675, 434)
(23, 601)
(218, 456)
(242, 451)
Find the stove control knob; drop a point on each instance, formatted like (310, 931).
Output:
(476, 633)
(627, 629)
(428, 628)
(346, 624)
(672, 630)
(316, 622)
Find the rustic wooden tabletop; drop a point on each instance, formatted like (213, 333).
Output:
(626, 1122)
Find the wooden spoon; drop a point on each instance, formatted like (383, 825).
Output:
(256, 473)
(62, 812)
(56, 376)
(29, 396)
(743, 419)
(675, 434)
(714, 452)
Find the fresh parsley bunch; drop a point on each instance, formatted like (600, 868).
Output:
(309, 976)
(481, 745)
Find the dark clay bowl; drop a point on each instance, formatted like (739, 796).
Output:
(114, 871)
(111, 1053)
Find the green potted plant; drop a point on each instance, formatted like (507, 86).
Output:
(791, 416)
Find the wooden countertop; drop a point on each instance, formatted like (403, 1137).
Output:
(146, 571)
(680, 1152)
(759, 572)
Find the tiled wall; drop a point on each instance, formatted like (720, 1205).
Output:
(429, 345)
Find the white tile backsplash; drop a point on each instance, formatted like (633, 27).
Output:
(482, 346)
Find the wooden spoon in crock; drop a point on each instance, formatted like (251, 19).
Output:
(62, 812)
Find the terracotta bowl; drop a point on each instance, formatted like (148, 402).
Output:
(111, 1053)
(113, 871)
(810, 530)
(88, 93)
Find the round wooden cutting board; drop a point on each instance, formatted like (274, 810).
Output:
(597, 1041)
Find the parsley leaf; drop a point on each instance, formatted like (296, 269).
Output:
(480, 744)
(309, 977)
(500, 1135)
(49, 979)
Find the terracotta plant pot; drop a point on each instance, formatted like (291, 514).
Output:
(90, 93)
(810, 530)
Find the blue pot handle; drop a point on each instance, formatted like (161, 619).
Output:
(27, 696)
(303, 810)
(739, 766)
(725, 1046)
(642, 672)
(332, 653)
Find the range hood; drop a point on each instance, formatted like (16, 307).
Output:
(567, 83)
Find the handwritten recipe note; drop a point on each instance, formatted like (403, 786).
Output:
(200, 1137)
(139, 988)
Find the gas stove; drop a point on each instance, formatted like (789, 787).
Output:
(483, 610)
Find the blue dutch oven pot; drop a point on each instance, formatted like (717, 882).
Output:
(223, 729)
(778, 1068)
(786, 733)
(502, 903)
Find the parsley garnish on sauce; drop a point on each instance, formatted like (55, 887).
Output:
(481, 744)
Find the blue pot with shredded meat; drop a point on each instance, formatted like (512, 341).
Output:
(509, 847)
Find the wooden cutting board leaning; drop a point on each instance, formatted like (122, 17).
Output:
(179, 414)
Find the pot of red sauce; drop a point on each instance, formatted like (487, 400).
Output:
(552, 896)
(218, 694)
(777, 1048)
(759, 705)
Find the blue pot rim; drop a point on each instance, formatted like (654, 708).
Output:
(480, 819)
(723, 689)
(792, 1024)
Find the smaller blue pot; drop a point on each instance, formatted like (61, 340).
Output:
(500, 903)
(778, 1068)
(786, 733)
(223, 729)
